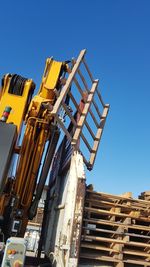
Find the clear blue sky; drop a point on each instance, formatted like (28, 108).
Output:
(116, 34)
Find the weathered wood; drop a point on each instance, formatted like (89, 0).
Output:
(88, 70)
(110, 240)
(97, 257)
(118, 226)
(136, 253)
(107, 204)
(86, 142)
(98, 247)
(77, 108)
(87, 89)
(138, 262)
(99, 135)
(118, 197)
(100, 97)
(84, 113)
(93, 102)
(66, 87)
(109, 213)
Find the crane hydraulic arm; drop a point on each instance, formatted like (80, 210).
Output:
(68, 102)
(15, 98)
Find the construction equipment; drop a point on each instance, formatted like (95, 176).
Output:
(67, 107)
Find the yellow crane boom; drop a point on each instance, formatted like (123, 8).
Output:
(64, 102)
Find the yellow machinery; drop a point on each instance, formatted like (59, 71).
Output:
(61, 105)
(15, 99)
(16, 93)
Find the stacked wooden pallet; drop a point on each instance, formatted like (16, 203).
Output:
(116, 230)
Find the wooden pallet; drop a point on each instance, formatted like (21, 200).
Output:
(116, 230)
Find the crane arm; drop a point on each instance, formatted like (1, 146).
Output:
(37, 133)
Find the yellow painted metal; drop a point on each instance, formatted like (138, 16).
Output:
(49, 83)
(38, 120)
(16, 102)
(30, 158)
(33, 146)
(50, 79)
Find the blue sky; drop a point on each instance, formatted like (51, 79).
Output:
(116, 34)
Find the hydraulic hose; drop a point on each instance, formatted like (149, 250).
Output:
(17, 84)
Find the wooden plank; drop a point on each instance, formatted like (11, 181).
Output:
(118, 241)
(83, 80)
(86, 142)
(119, 264)
(108, 204)
(75, 124)
(90, 111)
(78, 86)
(87, 89)
(89, 129)
(66, 87)
(94, 256)
(136, 253)
(98, 136)
(117, 224)
(97, 247)
(100, 97)
(84, 113)
(97, 109)
(88, 70)
(77, 107)
(138, 262)
(84, 159)
(94, 119)
(110, 213)
(126, 204)
(117, 232)
(118, 197)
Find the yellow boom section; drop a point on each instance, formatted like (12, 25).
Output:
(38, 131)
(15, 94)
(50, 79)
